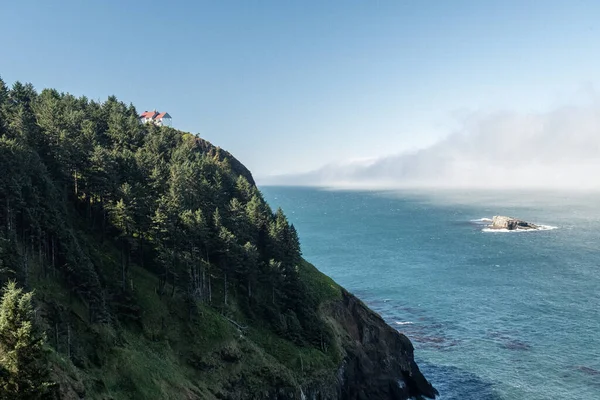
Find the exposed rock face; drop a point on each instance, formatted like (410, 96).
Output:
(379, 362)
(501, 222)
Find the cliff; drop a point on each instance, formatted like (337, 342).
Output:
(375, 362)
(378, 361)
(160, 272)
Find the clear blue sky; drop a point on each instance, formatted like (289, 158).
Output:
(291, 85)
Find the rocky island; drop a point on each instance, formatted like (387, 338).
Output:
(502, 222)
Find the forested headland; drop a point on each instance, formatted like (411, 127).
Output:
(143, 262)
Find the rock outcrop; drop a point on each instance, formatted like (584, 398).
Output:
(379, 361)
(501, 222)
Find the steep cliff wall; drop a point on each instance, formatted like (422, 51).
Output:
(378, 361)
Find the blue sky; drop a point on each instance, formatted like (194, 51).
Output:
(288, 86)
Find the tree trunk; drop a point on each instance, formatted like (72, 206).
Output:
(75, 178)
(172, 269)
(40, 245)
(209, 289)
(103, 220)
(191, 267)
(26, 265)
(225, 287)
(122, 267)
(8, 216)
(53, 259)
(69, 341)
(40, 259)
(203, 282)
(174, 278)
(142, 250)
(56, 336)
(127, 258)
(89, 210)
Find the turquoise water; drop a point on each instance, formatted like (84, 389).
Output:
(492, 315)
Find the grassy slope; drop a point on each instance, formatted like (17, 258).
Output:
(167, 355)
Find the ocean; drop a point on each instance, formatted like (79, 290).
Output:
(492, 315)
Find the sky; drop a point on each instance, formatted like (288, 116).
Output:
(557, 149)
(289, 86)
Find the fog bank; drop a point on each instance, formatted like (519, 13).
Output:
(559, 149)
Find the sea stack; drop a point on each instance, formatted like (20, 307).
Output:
(501, 222)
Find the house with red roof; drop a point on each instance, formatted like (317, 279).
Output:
(157, 118)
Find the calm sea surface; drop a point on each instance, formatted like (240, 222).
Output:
(492, 315)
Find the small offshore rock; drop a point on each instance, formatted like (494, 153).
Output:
(502, 222)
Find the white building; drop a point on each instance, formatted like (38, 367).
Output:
(159, 119)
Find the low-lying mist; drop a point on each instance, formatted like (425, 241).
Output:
(559, 149)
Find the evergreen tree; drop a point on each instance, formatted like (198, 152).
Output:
(24, 367)
(76, 173)
(3, 106)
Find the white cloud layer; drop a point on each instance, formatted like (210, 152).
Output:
(556, 149)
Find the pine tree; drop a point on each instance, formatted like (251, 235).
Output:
(75, 170)
(3, 101)
(244, 188)
(24, 367)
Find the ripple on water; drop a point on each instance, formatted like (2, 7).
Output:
(456, 384)
(508, 341)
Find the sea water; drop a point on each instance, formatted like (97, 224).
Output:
(492, 315)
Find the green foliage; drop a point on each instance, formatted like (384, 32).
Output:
(130, 219)
(23, 359)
